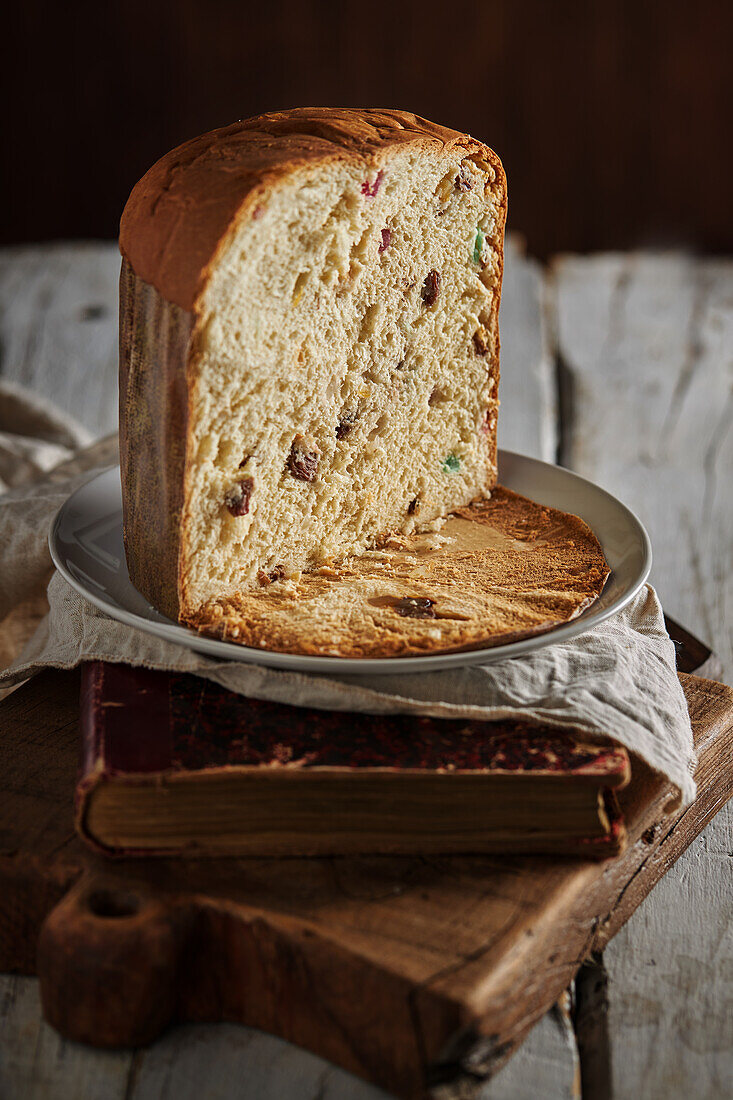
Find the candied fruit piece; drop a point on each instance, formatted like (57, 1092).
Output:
(478, 246)
(430, 287)
(345, 424)
(415, 607)
(481, 342)
(386, 239)
(463, 179)
(275, 574)
(489, 421)
(370, 189)
(451, 464)
(238, 498)
(414, 506)
(302, 461)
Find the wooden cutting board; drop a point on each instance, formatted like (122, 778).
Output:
(418, 973)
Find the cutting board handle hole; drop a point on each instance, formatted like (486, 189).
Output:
(113, 903)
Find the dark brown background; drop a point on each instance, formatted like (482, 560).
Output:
(613, 119)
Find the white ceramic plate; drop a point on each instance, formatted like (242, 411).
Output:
(86, 546)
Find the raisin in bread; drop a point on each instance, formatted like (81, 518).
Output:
(309, 346)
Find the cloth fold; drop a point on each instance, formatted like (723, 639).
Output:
(616, 681)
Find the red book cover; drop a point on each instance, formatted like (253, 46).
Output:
(155, 732)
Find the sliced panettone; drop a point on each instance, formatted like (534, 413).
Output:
(496, 571)
(309, 346)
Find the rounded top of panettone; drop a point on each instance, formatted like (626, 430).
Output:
(184, 206)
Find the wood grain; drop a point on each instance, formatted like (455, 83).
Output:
(545, 1065)
(220, 1061)
(644, 342)
(660, 328)
(58, 327)
(468, 952)
(528, 419)
(670, 1014)
(37, 1064)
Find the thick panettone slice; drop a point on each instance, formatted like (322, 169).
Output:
(309, 346)
(498, 571)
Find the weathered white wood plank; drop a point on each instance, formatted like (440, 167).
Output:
(547, 1065)
(58, 326)
(36, 1064)
(224, 1061)
(670, 974)
(646, 342)
(528, 416)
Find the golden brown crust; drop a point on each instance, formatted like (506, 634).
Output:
(515, 569)
(154, 344)
(187, 203)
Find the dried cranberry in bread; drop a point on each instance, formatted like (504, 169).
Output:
(309, 345)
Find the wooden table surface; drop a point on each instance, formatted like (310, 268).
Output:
(619, 366)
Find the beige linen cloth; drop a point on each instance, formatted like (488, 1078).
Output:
(617, 680)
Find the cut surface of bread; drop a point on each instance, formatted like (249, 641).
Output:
(496, 571)
(329, 353)
(338, 393)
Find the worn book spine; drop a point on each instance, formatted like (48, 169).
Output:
(151, 727)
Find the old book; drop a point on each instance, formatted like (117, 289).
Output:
(172, 763)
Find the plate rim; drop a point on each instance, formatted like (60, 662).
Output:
(293, 662)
